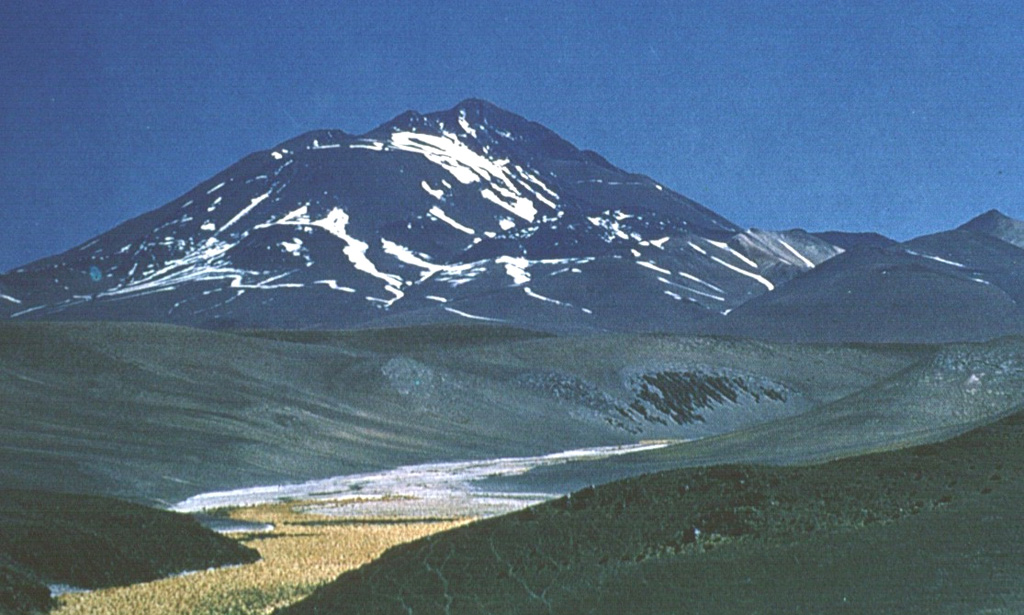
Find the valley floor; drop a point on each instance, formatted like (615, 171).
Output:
(302, 552)
(323, 528)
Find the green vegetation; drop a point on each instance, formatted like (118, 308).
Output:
(930, 529)
(92, 542)
(300, 553)
(21, 593)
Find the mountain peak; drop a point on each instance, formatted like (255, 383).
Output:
(476, 111)
(995, 223)
(482, 126)
(480, 105)
(992, 215)
(472, 212)
(314, 138)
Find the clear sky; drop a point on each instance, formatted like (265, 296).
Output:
(903, 117)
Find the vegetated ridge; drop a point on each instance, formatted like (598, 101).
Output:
(88, 542)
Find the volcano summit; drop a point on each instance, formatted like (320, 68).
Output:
(471, 213)
(477, 214)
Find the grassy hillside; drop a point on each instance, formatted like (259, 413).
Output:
(930, 529)
(159, 413)
(92, 542)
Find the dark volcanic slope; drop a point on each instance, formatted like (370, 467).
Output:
(966, 284)
(848, 241)
(470, 213)
(957, 387)
(998, 225)
(476, 214)
(932, 529)
(93, 542)
(162, 413)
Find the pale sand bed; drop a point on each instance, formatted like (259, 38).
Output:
(302, 552)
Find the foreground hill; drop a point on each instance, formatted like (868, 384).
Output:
(161, 413)
(89, 542)
(930, 529)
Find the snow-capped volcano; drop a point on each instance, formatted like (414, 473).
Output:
(470, 213)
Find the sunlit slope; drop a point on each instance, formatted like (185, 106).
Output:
(931, 529)
(161, 413)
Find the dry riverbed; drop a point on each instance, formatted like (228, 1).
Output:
(323, 528)
(302, 552)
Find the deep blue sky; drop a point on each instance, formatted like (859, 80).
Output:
(903, 117)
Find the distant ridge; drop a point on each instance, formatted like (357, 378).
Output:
(964, 284)
(996, 224)
(848, 241)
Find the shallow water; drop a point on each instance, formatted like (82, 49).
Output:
(225, 525)
(434, 490)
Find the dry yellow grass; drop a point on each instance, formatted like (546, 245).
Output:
(303, 552)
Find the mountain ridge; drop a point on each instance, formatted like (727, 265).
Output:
(950, 286)
(997, 224)
(424, 209)
(472, 213)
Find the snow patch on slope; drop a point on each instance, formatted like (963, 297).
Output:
(729, 249)
(654, 267)
(333, 285)
(937, 259)
(690, 276)
(469, 167)
(516, 268)
(760, 279)
(440, 214)
(804, 259)
(437, 194)
(336, 223)
(470, 316)
(252, 204)
(293, 247)
(690, 290)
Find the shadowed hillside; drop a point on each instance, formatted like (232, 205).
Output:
(91, 542)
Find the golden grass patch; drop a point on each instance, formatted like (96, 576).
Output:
(303, 552)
